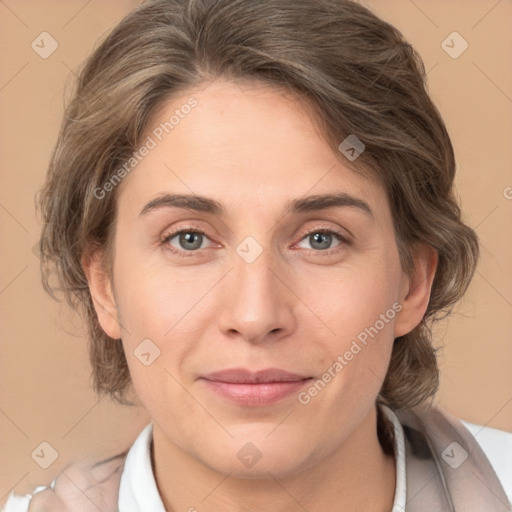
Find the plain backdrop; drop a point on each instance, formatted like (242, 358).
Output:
(45, 393)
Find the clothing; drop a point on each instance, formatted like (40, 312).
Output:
(447, 469)
(439, 467)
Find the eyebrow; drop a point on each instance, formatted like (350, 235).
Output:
(300, 205)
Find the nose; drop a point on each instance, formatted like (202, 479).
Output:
(258, 304)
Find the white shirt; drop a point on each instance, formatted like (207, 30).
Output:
(138, 491)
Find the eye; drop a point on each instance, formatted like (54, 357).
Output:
(188, 240)
(322, 239)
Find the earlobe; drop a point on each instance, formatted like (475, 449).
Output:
(416, 290)
(102, 295)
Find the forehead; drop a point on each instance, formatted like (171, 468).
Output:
(243, 142)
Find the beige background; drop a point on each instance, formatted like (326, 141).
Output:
(45, 395)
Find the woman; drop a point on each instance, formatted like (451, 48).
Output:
(252, 203)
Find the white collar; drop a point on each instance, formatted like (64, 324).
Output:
(401, 485)
(138, 491)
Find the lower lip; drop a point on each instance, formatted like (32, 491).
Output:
(255, 395)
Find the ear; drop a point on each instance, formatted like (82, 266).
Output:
(102, 293)
(415, 290)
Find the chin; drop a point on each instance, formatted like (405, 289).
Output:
(261, 459)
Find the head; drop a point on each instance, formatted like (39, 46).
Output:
(254, 106)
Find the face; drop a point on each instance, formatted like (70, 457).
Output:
(253, 270)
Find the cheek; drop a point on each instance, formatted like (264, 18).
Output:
(154, 310)
(356, 309)
(170, 307)
(352, 298)
(151, 298)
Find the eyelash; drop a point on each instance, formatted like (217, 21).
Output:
(321, 230)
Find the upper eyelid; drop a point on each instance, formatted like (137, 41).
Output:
(195, 229)
(345, 232)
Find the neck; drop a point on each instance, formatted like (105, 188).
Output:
(358, 475)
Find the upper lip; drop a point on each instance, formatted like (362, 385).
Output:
(243, 376)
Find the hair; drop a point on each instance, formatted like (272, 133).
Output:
(356, 71)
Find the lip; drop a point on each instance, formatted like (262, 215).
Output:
(243, 376)
(254, 389)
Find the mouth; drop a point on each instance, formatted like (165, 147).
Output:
(254, 389)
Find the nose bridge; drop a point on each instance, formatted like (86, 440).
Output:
(257, 304)
(255, 278)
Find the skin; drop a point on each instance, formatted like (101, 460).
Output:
(252, 149)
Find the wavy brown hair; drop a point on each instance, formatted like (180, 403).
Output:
(356, 71)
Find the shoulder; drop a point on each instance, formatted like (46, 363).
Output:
(491, 449)
(497, 446)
